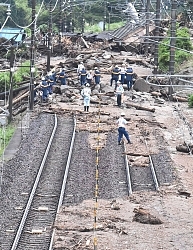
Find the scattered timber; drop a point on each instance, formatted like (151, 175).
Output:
(128, 105)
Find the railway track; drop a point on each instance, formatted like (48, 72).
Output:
(36, 226)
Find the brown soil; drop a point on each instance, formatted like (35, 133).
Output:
(116, 228)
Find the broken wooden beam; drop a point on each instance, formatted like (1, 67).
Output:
(128, 105)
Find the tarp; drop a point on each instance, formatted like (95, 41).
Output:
(12, 33)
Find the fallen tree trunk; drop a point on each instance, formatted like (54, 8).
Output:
(128, 105)
(180, 99)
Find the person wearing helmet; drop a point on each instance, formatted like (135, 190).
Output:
(83, 75)
(97, 76)
(85, 93)
(89, 77)
(80, 67)
(119, 93)
(122, 73)
(129, 77)
(44, 89)
(62, 77)
(115, 75)
(122, 130)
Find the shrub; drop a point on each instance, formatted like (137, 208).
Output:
(190, 101)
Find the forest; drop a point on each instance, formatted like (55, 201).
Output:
(77, 12)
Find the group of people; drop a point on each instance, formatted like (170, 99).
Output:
(119, 76)
(124, 74)
(45, 87)
(87, 76)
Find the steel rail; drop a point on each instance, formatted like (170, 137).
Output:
(128, 174)
(64, 180)
(168, 85)
(22, 223)
(152, 169)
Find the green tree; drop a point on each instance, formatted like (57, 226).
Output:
(183, 46)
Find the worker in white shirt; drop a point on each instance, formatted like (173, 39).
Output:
(119, 93)
(80, 67)
(121, 129)
(85, 93)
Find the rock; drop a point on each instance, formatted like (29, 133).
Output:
(141, 85)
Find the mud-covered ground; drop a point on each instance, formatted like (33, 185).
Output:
(115, 227)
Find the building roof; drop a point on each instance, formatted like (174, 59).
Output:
(12, 33)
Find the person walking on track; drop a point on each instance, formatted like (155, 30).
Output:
(122, 130)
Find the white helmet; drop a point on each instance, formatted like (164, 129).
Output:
(43, 78)
(87, 85)
(122, 114)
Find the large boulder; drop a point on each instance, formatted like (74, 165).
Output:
(141, 85)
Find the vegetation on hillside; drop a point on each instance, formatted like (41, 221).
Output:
(18, 76)
(182, 48)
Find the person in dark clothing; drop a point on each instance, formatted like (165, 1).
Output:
(62, 77)
(115, 76)
(129, 77)
(97, 76)
(83, 75)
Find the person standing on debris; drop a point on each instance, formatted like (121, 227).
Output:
(83, 75)
(89, 77)
(80, 67)
(122, 73)
(121, 129)
(115, 76)
(62, 77)
(85, 93)
(44, 89)
(129, 77)
(97, 76)
(50, 81)
(119, 93)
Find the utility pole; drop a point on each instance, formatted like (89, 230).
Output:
(60, 26)
(11, 84)
(105, 15)
(32, 62)
(172, 45)
(49, 37)
(70, 29)
(83, 10)
(147, 27)
(157, 27)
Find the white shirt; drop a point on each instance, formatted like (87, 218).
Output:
(119, 89)
(121, 122)
(80, 67)
(86, 92)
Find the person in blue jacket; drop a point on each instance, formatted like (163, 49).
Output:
(83, 75)
(129, 77)
(97, 76)
(115, 76)
(44, 89)
(50, 81)
(62, 77)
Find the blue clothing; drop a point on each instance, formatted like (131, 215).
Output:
(129, 77)
(83, 75)
(122, 131)
(54, 77)
(62, 77)
(97, 76)
(115, 75)
(44, 88)
(50, 82)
